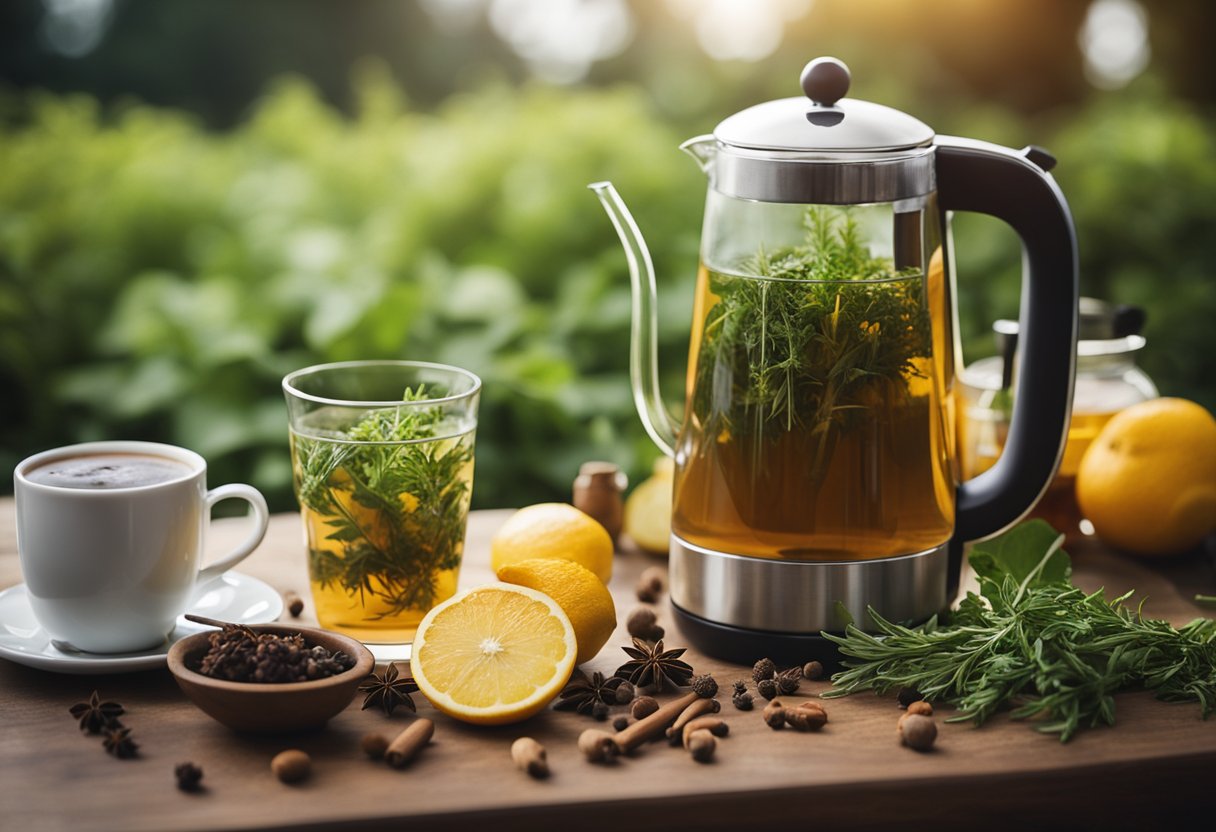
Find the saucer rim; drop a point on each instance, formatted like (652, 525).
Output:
(136, 661)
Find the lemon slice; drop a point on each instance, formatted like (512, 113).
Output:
(494, 654)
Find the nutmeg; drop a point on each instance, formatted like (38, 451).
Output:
(643, 707)
(291, 766)
(918, 732)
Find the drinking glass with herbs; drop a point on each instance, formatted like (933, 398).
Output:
(382, 464)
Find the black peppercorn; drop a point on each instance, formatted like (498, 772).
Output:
(812, 670)
(189, 776)
(907, 696)
(620, 723)
(600, 711)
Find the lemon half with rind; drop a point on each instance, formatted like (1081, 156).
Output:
(579, 593)
(494, 654)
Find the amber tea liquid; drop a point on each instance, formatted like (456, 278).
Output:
(859, 470)
(396, 546)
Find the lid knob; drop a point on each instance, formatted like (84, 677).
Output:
(825, 81)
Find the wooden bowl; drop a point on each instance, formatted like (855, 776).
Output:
(271, 708)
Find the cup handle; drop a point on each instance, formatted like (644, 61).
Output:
(261, 519)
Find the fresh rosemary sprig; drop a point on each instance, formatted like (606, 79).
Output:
(1033, 640)
(814, 338)
(414, 495)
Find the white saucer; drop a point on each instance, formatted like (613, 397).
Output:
(231, 597)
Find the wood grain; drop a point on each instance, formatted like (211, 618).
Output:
(1154, 767)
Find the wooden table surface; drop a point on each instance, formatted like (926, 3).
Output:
(1156, 765)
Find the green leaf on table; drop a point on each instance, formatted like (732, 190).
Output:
(1021, 554)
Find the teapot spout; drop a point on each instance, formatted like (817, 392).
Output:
(703, 149)
(644, 336)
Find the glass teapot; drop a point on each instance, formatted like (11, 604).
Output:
(816, 467)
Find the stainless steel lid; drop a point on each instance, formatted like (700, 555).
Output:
(823, 147)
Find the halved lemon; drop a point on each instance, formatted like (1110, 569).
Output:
(494, 654)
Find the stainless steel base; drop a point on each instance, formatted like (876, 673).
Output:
(802, 596)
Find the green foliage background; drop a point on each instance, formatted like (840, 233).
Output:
(157, 280)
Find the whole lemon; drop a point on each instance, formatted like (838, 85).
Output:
(553, 530)
(1148, 481)
(581, 595)
(648, 510)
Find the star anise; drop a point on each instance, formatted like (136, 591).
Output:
(388, 690)
(117, 741)
(581, 694)
(651, 665)
(95, 715)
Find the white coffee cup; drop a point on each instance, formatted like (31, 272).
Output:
(108, 569)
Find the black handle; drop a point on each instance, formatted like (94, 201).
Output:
(990, 179)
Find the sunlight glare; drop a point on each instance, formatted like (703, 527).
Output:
(1114, 41)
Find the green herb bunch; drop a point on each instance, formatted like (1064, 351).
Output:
(1033, 640)
(827, 334)
(416, 489)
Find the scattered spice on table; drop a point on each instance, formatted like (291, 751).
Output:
(741, 697)
(582, 694)
(763, 669)
(96, 715)
(650, 584)
(295, 604)
(387, 690)
(651, 666)
(117, 741)
(291, 766)
(189, 777)
(917, 731)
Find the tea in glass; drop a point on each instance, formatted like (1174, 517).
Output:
(384, 486)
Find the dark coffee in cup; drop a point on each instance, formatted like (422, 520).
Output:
(108, 471)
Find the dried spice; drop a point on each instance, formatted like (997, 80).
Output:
(530, 756)
(374, 745)
(189, 776)
(643, 707)
(812, 670)
(650, 584)
(704, 686)
(788, 681)
(117, 741)
(652, 666)
(291, 766)
(917, 731)
(295, 604)
(741, 698)
(388, 690)
(95, 715)
(582, 694)
(767, 688)
(238, 654)
(643, 623)
(906, 696)
(763, 669)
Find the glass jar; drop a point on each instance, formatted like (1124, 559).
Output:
(1107, 381)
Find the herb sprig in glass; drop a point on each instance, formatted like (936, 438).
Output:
(829, 333)
(414, 494)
